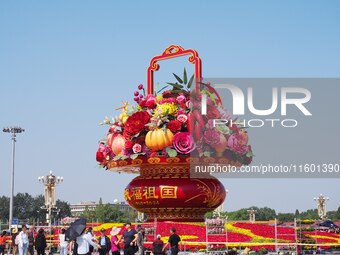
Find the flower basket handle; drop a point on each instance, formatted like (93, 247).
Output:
(173, 51)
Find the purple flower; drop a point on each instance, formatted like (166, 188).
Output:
(211, 137)
(238, 143)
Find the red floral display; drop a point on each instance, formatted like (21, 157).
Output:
(135, 124)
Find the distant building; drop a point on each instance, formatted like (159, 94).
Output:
(79, 208)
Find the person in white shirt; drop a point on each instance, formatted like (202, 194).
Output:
(84, 241)
(23, 241)
(63, 243)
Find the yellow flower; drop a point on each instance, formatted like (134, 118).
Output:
(159, 97)
(166, 109)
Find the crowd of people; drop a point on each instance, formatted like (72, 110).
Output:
(131, 242)
(24, 242)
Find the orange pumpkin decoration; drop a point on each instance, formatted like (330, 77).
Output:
(118, 142)
(158, 139)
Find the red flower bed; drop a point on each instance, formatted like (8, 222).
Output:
(267, 231)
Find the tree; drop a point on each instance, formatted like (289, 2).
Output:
(30, 208)
(4, 208)
(265, 213)
(89, 215)
(64, 207)
(22, 206)
(297, 213)
(285, 217)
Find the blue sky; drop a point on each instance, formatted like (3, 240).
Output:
(65, 65)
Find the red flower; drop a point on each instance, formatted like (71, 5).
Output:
(213, 112)
(128, 144)
(174, 126)
(135, 123)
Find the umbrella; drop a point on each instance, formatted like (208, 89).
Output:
(75, 229)
(329, 224)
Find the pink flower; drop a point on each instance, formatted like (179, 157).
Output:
(136, 93)
(140, 86)
(181, 111)
(187, 104)
(182, 118)
(104, 153)
(238, 143)
(211, 137)
(137, 148)
(183, 143)
(181, 99)
(150, 101)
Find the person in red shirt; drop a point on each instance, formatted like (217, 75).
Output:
(3, 242)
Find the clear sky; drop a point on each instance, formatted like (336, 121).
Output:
(65, 65)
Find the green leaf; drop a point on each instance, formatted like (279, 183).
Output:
(211, 96)
(171, 152)
(190, 81)
(185, 79)
(177, 90)
(206, 154)
(125, 157)
(134, 156)
(175, 85)
(177, 78)
(117, 157)
(162, 89)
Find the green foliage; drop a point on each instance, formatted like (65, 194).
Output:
(181, 83)
(108, 213)
(284, 217)
(28, 208)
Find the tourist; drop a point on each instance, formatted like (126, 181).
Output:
(157, 246)
(15, 241)
(3, 242)
(140, 240)
(23, 241)
(40, 242)
(63, 244)
(115, 249)
(90, 233)
(73, 248)
(130, 237)
(174, 239)
(31, 240)
(84, 241)
(104, 242)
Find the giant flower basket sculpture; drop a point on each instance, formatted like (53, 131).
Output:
(163, 135)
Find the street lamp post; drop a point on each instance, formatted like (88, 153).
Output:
(251, 213)
(321, 206)
(14, 131)
(50, 181)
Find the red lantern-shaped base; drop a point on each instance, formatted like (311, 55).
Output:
(166, 192)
